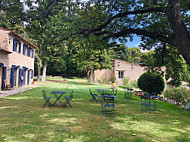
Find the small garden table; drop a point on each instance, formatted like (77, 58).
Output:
(58, 95)
(102, 91)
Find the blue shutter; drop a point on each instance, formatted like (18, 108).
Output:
(24, 49)
(19, 77)
(32, 75)
(4, 77)
(19, 47)
(14, 44)
(28, 51)
(12, 77)
(32, 53)
(28, 81)
(23, 73)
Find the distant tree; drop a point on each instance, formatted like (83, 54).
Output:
(121, 52)
(93, 56)
(171, 59)
(134, 55)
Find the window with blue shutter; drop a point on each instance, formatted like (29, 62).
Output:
(28, 81)
(32, 74)
(24, 49)
(28, 51)
(20, 77)
(12, 77)
(32, 53)
(4, 77)
(14, 44)
(19, 47)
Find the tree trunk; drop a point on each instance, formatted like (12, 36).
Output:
(181, 35)
(39, 72)
(44, 71)
(91, 76)
(88, 75)
(39, 62)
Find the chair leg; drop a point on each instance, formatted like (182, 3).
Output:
(47, 102)
(67, 102)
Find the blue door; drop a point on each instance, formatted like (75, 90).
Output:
(28, 81)
(20, 77)
(4, 69)
(12, 77)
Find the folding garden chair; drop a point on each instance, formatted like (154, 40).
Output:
(69, 98)
(46, 99)
(149, 102)
(94, 96)
(128, 93)
(108, 106)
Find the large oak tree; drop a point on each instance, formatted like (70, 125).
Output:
(155, 21)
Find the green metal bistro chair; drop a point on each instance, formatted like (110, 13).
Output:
(69, 98)
(94, 96)
(46, 99)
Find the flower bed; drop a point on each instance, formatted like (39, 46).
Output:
(181, 96)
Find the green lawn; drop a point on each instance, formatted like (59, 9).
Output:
(22, 118)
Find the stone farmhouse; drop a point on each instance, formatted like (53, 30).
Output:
(16, 60)
(121, 70)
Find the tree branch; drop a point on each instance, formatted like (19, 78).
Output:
(50, 6)
(119, 15)
(152, 35)
(67, 37)
(87, 32)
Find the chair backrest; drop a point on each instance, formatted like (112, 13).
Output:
(90, 91)
(109, 100)
(114, 92)
(71, 95)
(44, 94)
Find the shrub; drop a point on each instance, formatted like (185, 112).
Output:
(151, 82)
(133, 84)
(99, 81)
(126, 82)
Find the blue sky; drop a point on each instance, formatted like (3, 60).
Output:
(136, 41)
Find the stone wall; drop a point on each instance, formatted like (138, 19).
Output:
(103, 75)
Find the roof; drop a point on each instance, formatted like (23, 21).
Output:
(129, 62)
(19, 37)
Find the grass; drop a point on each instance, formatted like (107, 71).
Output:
(22, 118)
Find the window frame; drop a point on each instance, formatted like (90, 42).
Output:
(120, 75)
